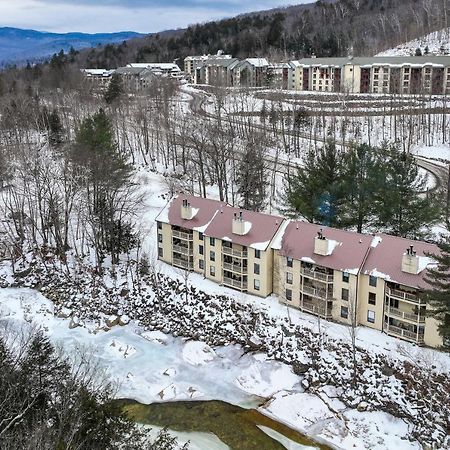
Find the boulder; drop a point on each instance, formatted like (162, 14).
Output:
(124, 320)
(112, 321)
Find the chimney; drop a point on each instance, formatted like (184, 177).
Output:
(410, 261)
(240, 227)
(322, 244)
(187, 212)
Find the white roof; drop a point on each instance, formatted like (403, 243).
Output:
(258, 62)
(162, 66)
(103, 72)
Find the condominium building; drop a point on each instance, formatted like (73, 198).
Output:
(224, 244)
(391, 74)
(352, 278)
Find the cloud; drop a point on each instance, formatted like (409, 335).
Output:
(145, 16)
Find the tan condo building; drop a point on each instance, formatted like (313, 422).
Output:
(356, 279)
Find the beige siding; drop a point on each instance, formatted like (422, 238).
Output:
(363, 302)
(351, 286)
(166, 244)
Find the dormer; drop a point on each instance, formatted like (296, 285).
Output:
(187, 211)
(240, 226)
(322, 245)
(410, 261)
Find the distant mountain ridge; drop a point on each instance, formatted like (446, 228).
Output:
(20, 45)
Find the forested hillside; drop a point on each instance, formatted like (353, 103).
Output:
(326, 28)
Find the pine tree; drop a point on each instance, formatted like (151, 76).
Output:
(438, 295)
(364, 168)
(402, 210)
(115, 89)
(315, 190)
(251, 178)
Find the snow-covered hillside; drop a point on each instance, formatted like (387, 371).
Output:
(438, 43)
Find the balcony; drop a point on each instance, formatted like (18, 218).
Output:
(241, 285)
(236, 268)
(315, 292)
(182, 235)
(182, 250)
(404, 334)
(318, 310)
(235, 253)
(317, 275)
(405, 296)
(402, 315)
(182, 263)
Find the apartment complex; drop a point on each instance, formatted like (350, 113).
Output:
(391, 74)
(352, 278)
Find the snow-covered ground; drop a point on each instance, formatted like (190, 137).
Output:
(438, 43)
(151, 366)
(440, 152)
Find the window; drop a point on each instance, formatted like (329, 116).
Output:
(289, 277)
(160, 252)
(371, 316)
(200, 249)
(159, 226)
(345, 277)
(256, 285)
(256, 269)
(289, 262)
(212, 255)
(160, 238)
(344, 294)
(201, 264)
(258, 254)
(372, 298)
(200, 236)
(289, 295)
(212, 241)
(372, 281)
(344, 312)
(212, 271)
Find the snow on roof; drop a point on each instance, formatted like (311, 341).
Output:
(162, 66)
(375, 241)
(385, 260)
(258, 62)
(345, 248)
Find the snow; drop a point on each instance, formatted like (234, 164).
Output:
(198, 353)
(424, 262)
(260, 245)
(375, 241)
(378, 274)
(204, 227)
(331, 245)
(441, 152)
(307, 259)
(247, 227)
(287, 443)
(434, 41)
(277, 242)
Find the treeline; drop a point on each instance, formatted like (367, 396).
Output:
(325, 28)
(366, 188)
(53, 402)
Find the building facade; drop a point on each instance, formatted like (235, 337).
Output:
(391, 74)
(351, 278)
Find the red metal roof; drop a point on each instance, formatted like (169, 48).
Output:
(348, 254)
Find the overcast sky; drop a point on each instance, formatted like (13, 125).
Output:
(123, 15)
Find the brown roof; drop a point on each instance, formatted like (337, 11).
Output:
(215, 219)
(349, 251)
(262, 230)
(385, 260)
(206, 210)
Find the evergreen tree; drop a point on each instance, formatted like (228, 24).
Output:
(364, 169)
(402, 210)
(115, 89)
(251, 178)
(315, 190)
(438, 295)
(418, 52)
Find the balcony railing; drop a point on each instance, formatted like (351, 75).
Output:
(242, 285)
(182, 263)
(182, 249)
(317, 275)
(404, 334)
(236, 253)
(238, 268)
(403, 295)
(182, 235)
(393, 312)
(316, 309)
(315, 292)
